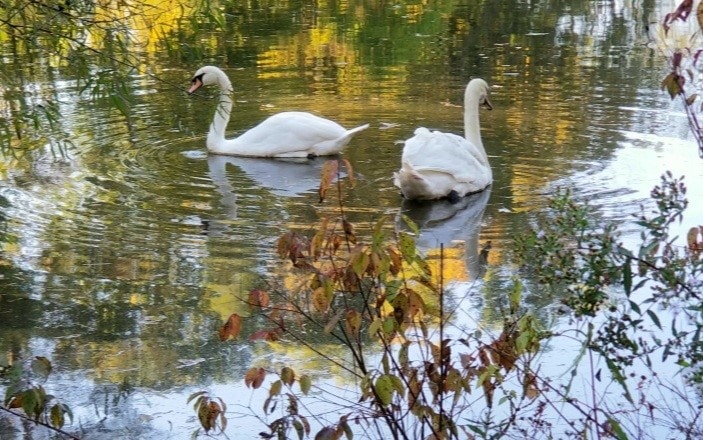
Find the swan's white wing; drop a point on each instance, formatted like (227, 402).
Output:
(289, 133)
(443, 152)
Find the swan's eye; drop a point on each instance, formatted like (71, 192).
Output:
(197, 78)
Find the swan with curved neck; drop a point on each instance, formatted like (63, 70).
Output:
(286, 134)
(436, 165)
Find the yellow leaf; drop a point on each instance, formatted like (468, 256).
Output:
(275, 389)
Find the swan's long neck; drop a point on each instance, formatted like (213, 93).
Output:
(216, 134)
(472, 125)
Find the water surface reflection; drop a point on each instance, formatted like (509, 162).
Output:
(120, 259)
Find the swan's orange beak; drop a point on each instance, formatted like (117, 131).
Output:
(195, 85)
(487, 103)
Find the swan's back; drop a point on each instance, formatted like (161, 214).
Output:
(448, 153)
(295, 134)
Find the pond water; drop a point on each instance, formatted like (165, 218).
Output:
(124, 251)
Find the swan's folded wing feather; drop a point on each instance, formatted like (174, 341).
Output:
(288, 132)
(442, 152)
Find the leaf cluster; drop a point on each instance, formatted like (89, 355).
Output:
(25, 394)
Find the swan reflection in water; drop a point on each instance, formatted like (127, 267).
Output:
(441, 222)
(282, 177)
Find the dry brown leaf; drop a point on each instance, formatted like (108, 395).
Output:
(231, 328)
(254, 377)
(259, 298)
(329, 172)
(353, 323)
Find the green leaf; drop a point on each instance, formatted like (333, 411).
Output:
(655, 319)
(56, 415)
(627, 276)
(305, 384)
(407, 247)
(384, 389)
(411, 224)
(403, 359)
(347, 429)
(287, 376)
(374, 327)
(298, 429)
(398, 385)
(617, 429)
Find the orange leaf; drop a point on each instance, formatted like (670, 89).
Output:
(329, 172)
(232, 327)
(254, 377)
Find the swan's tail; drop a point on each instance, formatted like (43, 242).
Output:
(410, 182)
(353, 131)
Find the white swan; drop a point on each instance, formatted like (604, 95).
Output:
(286, 134)
(436, 164)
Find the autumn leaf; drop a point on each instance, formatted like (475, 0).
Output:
(326, 433)
(254, 377)
(320, 300)
(350, 171)
(348, 230)
(275, 389)
(232, 327)
(672, 84)
(208, 414)
(333, 322)
(694, 243)
(415, 304)
(265, 335)
(530, 386)
(353, 323)
(258, 298)
(329, 172)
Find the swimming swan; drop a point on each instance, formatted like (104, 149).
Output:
(286, 134)
(435, 165)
